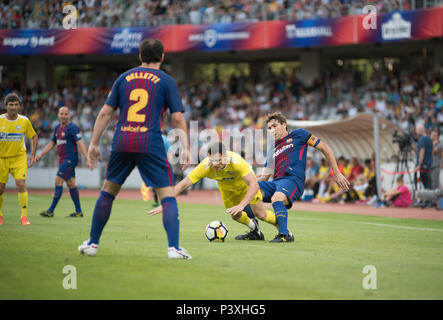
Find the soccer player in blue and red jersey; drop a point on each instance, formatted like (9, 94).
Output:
(286, 162)
(67, 138)
(142, 94)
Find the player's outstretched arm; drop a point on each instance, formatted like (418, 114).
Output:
(45, 150)
(179, 188)
(340, 179)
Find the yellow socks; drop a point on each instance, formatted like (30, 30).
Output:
(270, 218)
(244, 219)
(23, 202)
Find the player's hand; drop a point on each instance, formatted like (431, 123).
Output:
(89, 164)
(342, 182)
(37, 159)
(155, 211)
(31, 160)
(93, 155)
(185, 160)
(235, 210)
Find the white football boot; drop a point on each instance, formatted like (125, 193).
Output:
(88, 249)
(178, 254)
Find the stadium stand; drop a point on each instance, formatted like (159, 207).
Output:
(405, 92)
(405, 98)
(21, 14)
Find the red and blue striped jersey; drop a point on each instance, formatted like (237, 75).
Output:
(66, 137)
(142, 95)
(288, 156)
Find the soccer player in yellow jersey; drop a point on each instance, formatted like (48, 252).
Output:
(238, 186)
(13, 128)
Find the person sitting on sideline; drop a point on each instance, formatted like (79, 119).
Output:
(399, 197)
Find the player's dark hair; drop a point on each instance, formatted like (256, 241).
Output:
(151, 50)
(279, 117)
(216, 147)
(11, 97)
(400, 179)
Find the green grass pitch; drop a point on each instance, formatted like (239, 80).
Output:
(325, 262)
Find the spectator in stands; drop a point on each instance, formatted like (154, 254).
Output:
(356, 169)
(362, 181)
(195, 15)
(109, 13)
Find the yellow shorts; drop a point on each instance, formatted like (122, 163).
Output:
(17, 166)
(335, 188)
(233, 198)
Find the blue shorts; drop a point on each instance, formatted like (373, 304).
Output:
(155, 171)
(289, 186)
(66, 171)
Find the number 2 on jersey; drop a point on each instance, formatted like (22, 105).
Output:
(141, 96)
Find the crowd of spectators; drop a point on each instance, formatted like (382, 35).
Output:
(407, 97)
(403, 97)
(23, 14)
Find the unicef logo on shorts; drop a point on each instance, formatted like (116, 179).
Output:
(210, 37)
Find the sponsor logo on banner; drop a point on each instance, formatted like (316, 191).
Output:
(396, 28)
(32, 42)
(292, 31)
(126, 40)
(211, 36)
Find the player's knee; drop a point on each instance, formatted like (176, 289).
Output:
(236, 216)
(70, 184)
(262, 217)
(261, 214)
(21, 185)
(2, 188)
(59, 181)
(111, 187)
(278, 196)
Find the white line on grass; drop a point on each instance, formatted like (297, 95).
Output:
(376, 224)
(400, 227)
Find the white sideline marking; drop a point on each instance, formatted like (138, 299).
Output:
(377, 224)
(400, 227)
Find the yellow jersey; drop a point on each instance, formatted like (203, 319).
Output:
(347, 170)
(323, 171)
(12, 135)
(368, 174)
(229, 178)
